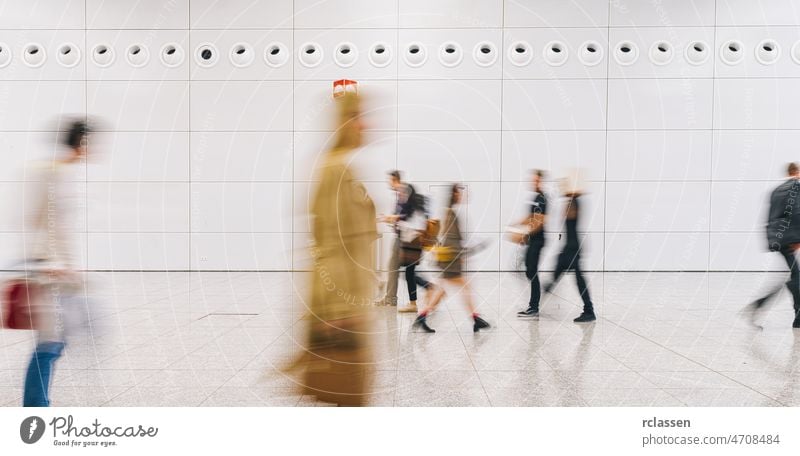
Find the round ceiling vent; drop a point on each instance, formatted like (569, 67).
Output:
(768, 52)
(795, 53)
(172, 55)
(697, 53)
(626, 53)
(520, 53)
(591, 53)
(68, 55)
(5, 55)
(346, 55)
(555, 53)
(484, 54)
(310, 55)
(103, 55)
(732, 52)
(33, 55)
(450, 54)
(276, 54)
(415, 55)
(241, 55)
(661, 53)
(137, 55)
(206, 55)
(380, 54)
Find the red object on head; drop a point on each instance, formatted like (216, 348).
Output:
(342, 86)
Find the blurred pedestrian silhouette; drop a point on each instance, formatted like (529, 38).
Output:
(409, 221)
(570, 256)
(450, 255)
(533, 225)
(335, 366)
(49, 261)
(783, 236)
(393, 267)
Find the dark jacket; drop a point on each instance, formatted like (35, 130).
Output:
(783, 220)
(407, 208)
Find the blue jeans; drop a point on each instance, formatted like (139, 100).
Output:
(40, 372)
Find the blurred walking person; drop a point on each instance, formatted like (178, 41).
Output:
(412, 229)
(450, 256)
(534, 224)
(570, 257)
(49, 256)
(401, 190)
(335, 365)
(783, 236)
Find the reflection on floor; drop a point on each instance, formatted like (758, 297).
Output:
(217, 339)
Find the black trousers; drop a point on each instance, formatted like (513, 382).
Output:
(412, 280)
(532, 272)
(793, 284)
(570, 259)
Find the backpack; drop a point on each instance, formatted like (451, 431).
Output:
(431, 235)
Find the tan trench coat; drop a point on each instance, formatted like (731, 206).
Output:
(337, 360)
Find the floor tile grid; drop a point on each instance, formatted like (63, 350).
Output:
(455, 315)
(272, 367)
(569, 326)
(287, 330)
(187, 324)
(157, 371)
(664, 347)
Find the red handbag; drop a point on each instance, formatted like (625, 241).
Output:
(18, 297)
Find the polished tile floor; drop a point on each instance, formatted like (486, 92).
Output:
(219, 339)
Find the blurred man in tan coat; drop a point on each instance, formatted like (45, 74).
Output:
(338, 354)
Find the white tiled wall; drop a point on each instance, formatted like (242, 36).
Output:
(202, 166)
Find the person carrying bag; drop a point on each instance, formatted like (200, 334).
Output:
(46, 292)
(413, 233)
(530, 233)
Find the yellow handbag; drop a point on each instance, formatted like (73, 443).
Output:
(443, 254)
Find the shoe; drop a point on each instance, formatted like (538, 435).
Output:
(480, 323)
(385, 302)
(422, 323)
(758, 303)
(585, 317)
(751, 312)
(529, 312)
(410, 307)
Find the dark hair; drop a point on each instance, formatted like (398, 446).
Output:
(792, 169)
(75, 134)
(415, 200)
(539, 172)
(455, 189)
(395, 174)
